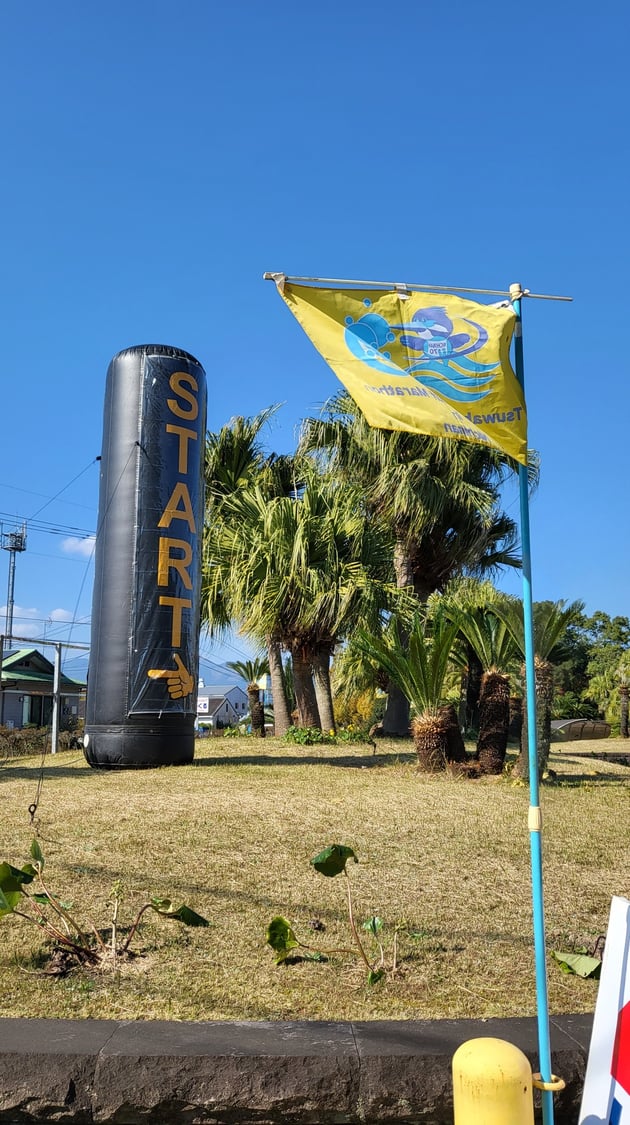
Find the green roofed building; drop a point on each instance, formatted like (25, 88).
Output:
(27, 691)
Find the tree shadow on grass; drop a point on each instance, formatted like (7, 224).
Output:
(12, 771)
(583, 767)
(599, 780)
(344, 761)
(28, 773)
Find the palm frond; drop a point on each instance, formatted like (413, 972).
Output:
(418, 668)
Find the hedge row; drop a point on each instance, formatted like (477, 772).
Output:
(34, 740)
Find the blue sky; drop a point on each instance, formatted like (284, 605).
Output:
(159, 158)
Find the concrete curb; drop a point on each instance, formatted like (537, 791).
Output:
(298, 1073)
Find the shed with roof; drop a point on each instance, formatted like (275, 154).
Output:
(26, 696)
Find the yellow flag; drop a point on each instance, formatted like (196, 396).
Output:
(429, 363)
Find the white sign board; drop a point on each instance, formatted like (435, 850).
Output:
(202, 706)
(606, 1097)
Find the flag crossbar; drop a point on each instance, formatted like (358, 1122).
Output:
(280, 278)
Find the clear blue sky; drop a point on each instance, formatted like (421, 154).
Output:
(159, 157)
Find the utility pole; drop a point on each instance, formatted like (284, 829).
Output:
(14, 542)
(56, 700)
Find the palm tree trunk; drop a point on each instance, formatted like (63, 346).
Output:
(320, 665)
(473, 689)
(521, 765)
(431, 737)
(256, 710)
(396, 716)
(461, 709)
(494, 721)
(516, 718)
(281, 717)
(544, 699)
(544, 703)
(455, 750)
(305, 699)
(624, 690)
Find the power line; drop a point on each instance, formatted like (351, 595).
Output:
(51, 644)
(59, 626)
(101, 522)
(45, 621)
(74, 659)
(225, 673)
(230, 645)
(70, 482)
(47, 526)
(43, 496)
(238, 651)
(59, 558)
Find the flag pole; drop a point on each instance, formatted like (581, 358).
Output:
(281, 278)
(535, 814)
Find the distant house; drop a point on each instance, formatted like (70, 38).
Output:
(27, 691)
(221, 705)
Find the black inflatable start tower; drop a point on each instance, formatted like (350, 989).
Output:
(142, 679)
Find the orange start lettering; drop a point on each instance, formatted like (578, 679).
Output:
(175, 555)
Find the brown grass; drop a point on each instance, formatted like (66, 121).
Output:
(232, 835)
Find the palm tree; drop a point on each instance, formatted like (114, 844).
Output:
(252, 671)
(235, 459)
(419, 667)
(234, 455)
(610, 690)
(279, 693)
(439, 500)
(354, 675)
(551, 621)
(622, 676)
(491, 640)
(304, 570)
(463, 595)
(624, 692)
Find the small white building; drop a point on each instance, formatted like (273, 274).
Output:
(220, 706)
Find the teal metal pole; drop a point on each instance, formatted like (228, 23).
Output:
(535, 815)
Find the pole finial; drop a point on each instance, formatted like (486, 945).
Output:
(279, 279)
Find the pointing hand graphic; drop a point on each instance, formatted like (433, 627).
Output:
(178, 680)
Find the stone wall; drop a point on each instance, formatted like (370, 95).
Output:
(215, 1073)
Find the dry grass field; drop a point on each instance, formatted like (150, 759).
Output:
(445, 860)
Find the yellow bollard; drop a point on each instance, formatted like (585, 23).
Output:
(492, 1084)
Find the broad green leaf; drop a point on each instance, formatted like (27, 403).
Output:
(181, 913)
(375, 975)
(372, 925)
(332, 861)
(188, 916)
(12, 879)
(163, 904)
(579, 963)
(281, 937)
(8, 901)
(37, 853)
